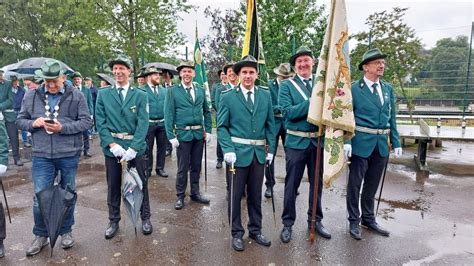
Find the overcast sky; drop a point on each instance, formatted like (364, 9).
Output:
(431, 19)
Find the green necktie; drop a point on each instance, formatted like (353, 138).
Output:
(307, 82)
(189, 93)
(249, 100)
(120, 95)
(374, 91)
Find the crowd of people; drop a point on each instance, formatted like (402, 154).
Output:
(59, 115)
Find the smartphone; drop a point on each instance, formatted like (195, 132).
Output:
(49, 121)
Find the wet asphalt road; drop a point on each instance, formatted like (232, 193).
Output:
(431, 222)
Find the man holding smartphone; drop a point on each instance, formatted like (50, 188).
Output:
(56, 114)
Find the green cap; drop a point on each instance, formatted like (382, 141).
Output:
(247, 61)
(303, 50)
(51, 69)
(76, 75)
(184, 64)
(121, 60)
(371, 55)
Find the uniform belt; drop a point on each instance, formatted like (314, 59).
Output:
(279, 115)
(192, 127)
(254, 142)
(302, 134)
(122, 136)
(156, 121)
(375, 131)
(9, 110)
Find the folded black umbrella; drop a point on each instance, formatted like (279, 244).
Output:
(54, 203)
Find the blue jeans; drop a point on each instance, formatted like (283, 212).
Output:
(43, 172)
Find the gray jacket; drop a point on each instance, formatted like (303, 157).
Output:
(73, 115)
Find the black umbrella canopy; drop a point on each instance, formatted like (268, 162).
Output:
(54, 203)
(29, 65)
(107, 78)
(171, 68)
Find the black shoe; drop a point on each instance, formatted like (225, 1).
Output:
(374, 227)
(147, 228)
(268, 193)
(238, 244)
(179, 204)
(87, 154)
(322, 231)
(219, 165)
(2, 249)
(355, 231)
(19, 162)
(162, 173)
(261, 240)
(285, 234)
(111, 230)
(200, 199)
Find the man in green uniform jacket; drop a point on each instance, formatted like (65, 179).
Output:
(375, 116)
(217, 89)
(245, 125)
(156, 130)
(3, 169)
(188, 124)
(122, 123)
(283, 71)
(77, 82)
(300, 143)
(9, 116)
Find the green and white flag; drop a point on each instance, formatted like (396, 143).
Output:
(200, 68)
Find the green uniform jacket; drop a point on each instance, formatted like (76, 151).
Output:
(295, 113)
(3, 144)
(235, 119)
(274, 90)
(216, 90)
(156, 103)
(113, 117)
(182, 111)
(6, 101)
(88, 95)
(219, 93)
(369, 112)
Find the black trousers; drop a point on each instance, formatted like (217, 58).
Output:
(12, 132)
(370, 170)
(113, 170)
(156, 132)
(250, 178)
(189, 155)
(219, 153)
(296, 161)
(270, 179)
(3, 224)
(85, 140)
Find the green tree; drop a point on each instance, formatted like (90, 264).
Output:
(395, 38)
(147, 26)
(280, 21)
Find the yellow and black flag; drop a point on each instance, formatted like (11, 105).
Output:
(253, 42)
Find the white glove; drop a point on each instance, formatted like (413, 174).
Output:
(208, 138)
(117, 150)
(269, 158)
(3, 169)
(129, 155)
(347, 151)
(174, 143)
(398, 152)
(230, 157)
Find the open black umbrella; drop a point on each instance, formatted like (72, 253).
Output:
(54, 203)
(132, 193)
(165, 66)
(106, 78)
(29, 65)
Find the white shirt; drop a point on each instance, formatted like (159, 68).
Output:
(125, 89)
(193, 95)
(245, 91)
(379, 88)
(154, 89)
